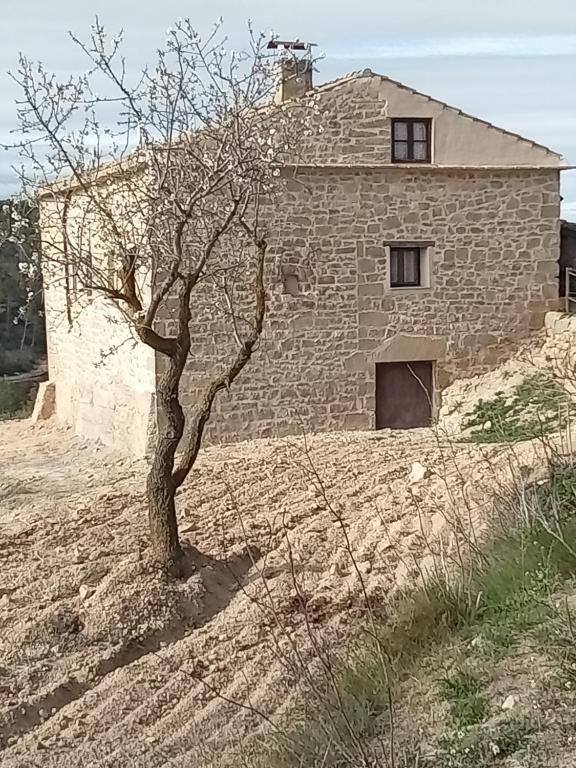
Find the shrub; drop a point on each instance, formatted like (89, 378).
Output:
(16, 360)
(535, 407)
(16, 399)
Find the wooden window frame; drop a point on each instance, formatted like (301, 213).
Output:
(410, 121)
(398, 249)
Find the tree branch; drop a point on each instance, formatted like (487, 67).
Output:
(226, 379)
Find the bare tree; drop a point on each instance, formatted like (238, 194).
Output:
(152, 189)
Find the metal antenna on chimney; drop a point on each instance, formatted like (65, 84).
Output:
(290, 45)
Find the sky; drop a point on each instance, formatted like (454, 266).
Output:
(512, 62)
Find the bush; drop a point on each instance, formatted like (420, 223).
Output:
(16, 360)
(16, 399)
(535, 407)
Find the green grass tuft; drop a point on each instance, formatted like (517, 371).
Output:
(468, 705)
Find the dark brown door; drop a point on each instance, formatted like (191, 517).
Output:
(404, 395)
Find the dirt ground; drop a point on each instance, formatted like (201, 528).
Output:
(104, 663)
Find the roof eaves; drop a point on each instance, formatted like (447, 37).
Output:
(426, 167)
(115, 169)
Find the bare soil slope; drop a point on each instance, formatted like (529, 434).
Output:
(104, 663)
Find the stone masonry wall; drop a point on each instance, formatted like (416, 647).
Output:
(495, 243)
(558, 353)
(350, 124)
(104, 380)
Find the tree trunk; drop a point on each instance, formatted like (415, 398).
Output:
(160, 486)
(160, 493)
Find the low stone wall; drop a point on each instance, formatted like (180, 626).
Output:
(45, 404)
(559, 349)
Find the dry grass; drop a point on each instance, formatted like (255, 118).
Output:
(473, 628)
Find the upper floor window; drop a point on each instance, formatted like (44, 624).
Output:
(411, 140)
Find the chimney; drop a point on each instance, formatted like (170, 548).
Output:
(295, 79)
(295, 74)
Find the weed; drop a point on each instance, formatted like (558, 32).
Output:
(560, 638)
(518, 573)
(513, 590)
(536, 406)
(483, 747)
(336, 719)
(557, 497)
(463, 692)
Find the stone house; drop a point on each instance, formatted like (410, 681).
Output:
(416, 244)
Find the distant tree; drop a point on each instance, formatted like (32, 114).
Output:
(174, 186)
(21, 305)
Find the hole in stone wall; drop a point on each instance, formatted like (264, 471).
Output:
(291, 284)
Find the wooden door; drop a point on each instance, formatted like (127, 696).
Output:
(404, 395)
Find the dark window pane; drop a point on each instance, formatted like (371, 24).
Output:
(404, 267)
(420, 150)
(419, 131)
(411, 140)
(401, 131)
(401, 150)
(411, 267)
(393, 267)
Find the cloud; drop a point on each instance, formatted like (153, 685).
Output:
(523, 45)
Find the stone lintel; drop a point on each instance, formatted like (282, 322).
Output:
(403, 348)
